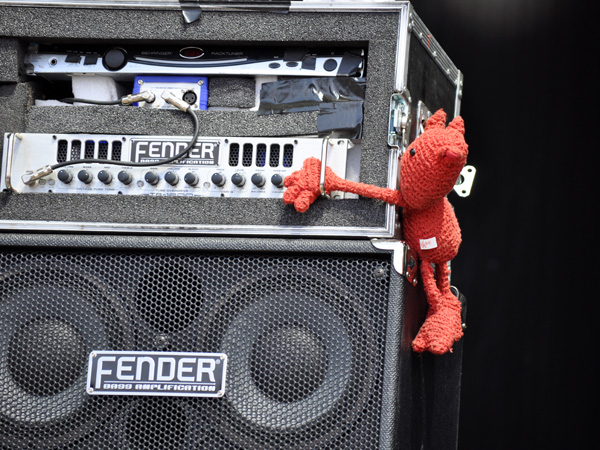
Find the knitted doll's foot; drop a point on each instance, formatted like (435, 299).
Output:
(441, 330)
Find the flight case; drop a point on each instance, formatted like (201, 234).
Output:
(199, 259)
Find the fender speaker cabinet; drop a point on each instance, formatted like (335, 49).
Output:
(155, 291)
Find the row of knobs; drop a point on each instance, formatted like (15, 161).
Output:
(172, 178)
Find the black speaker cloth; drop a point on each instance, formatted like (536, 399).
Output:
(281, 312)
(51, 317)
(304, 335)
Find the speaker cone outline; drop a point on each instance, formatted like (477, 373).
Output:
(35, 296)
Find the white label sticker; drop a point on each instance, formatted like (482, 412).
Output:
(428, 244)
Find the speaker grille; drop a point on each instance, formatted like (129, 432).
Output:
(304, 336)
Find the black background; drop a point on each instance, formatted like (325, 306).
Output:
(525, 263)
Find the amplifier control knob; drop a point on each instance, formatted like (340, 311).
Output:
(125, 177)
(115, 59)
(238, 179)
(85, 176)
(191, 179)
(64, 176)
(172, 178)
(151, 178)
(277, 180)
(105, 176)
(258, 180)
(218, 179)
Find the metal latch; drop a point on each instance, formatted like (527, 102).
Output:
(400, 119)
(192, 9)
(404, 259)
(423, 115)
(464, 183)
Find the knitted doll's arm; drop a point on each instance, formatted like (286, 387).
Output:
(303, 187)
(335, 183)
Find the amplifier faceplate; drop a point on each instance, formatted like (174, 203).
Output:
(241, 167)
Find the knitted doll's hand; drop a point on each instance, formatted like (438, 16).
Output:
(303, 186)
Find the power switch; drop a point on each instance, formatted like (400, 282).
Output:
(115, 59)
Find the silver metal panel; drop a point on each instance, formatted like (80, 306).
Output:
(225, 156)
(402, 51)
(348, 6)
(125, 4)
(55, 66)
(459, 94)
(297, 6)
(211, 230)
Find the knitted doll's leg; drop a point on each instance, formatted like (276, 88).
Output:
(442, 277)
(450, 303)
(442, 326)
(430, 285)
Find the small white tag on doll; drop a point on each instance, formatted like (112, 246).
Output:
(428, 244)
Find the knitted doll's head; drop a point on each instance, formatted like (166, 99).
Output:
(432, 163)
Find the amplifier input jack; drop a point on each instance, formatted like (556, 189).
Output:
(190, 97)
(144, 96)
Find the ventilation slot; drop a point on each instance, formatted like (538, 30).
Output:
(234, 155)
(62, 151)
(274, 156)
(261, 155)
(247, 155)
(116, 151)
(288, 155)
(90, 146)
(75, 150)
(103, 150)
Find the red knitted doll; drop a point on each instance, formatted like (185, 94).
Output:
(428, 171)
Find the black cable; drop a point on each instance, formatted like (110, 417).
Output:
(180, 155)
(92, 102)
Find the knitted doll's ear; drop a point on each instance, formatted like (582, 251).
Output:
(438, 120)
(458, 124)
